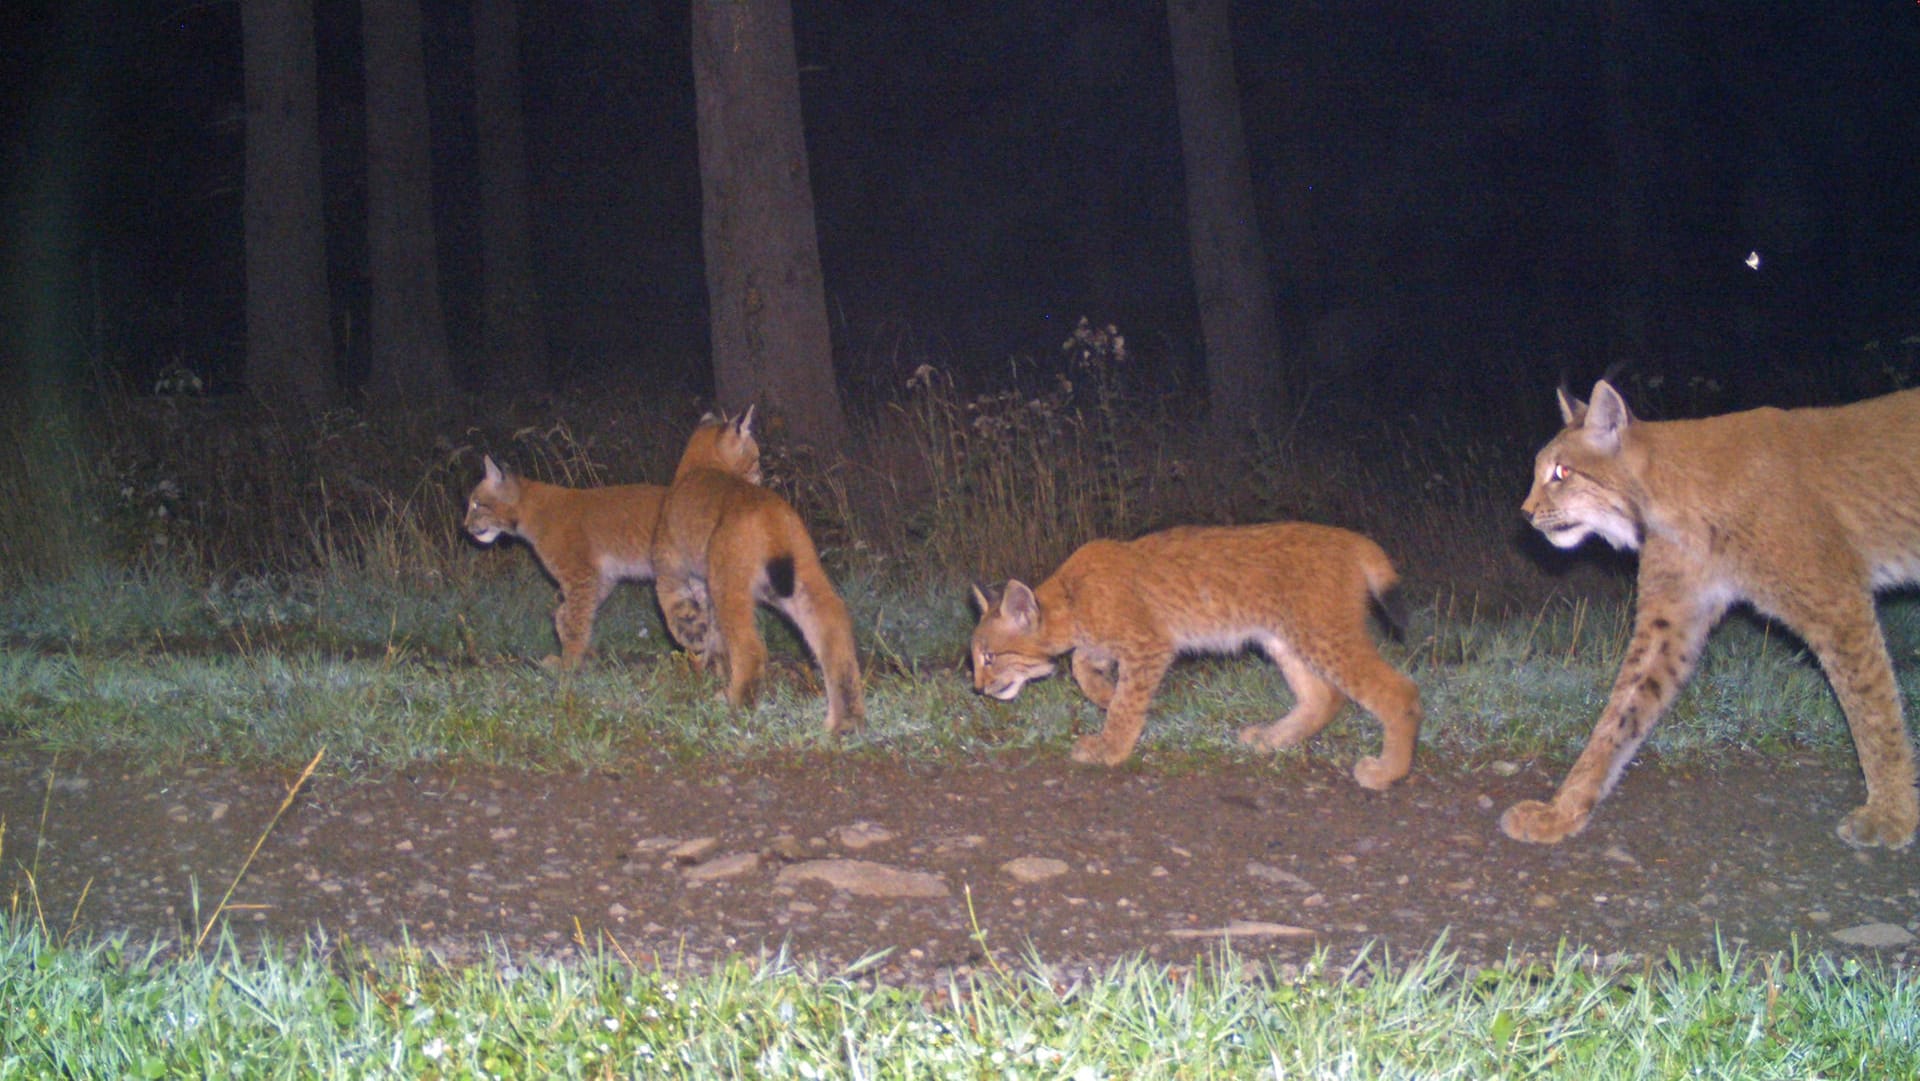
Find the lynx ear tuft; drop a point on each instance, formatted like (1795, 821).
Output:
(1572, 409)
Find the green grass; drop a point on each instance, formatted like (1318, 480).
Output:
(189, 582)
(268, 671)
(110, 1009)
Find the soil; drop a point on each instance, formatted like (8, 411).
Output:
(677, 863)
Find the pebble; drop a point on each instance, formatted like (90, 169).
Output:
(1874, 935)
(865, 878)
(1034, 868)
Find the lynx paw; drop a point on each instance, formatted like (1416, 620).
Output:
(1376, 774)
(842, 725)
(559, 665)
(1876, 827)
(1269, 737)
(1094, 750)
(1540, 823)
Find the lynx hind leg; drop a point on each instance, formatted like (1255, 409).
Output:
(737, 634)
(1315, 703)
(1854, 656)
(1097, 674)
(1394, 700)
(816, 608)
(688, 610)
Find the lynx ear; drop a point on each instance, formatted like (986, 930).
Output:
(494, 475)
(984, 598)
(744, 426)
(1607, 416)
(1019, 604)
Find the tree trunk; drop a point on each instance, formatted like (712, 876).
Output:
(769, 314)
(513, 342)
(1632, 146)
(290, 360)
(1237, 322)
(407, 329)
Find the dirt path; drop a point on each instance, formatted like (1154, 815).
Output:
(699, 862)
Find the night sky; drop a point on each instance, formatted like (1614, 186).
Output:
(1442, 186)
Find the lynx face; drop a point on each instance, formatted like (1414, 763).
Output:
(493, 506)
(1006, 651)
(1580, 484)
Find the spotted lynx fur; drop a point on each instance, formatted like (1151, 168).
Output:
(1299, 593)
(1801, 513)
(588, 540)
(725, 545)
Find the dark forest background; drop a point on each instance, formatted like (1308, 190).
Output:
(1460, 199)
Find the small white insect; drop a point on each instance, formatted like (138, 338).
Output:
(1753, 260)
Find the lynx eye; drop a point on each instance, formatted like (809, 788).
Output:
(1557, 473)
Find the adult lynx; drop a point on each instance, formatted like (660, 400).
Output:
(588, 539)
(725, 544)
(1299, 593)
(1802, 513)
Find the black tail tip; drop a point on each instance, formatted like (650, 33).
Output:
(780, 575)
(1394, 612)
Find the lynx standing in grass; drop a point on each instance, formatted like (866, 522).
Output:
(588, 539)
(1299, 593)
(724, 545)
(1802, 513)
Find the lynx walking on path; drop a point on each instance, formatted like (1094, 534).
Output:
(1300, 593)
(588, 539)
(724, 545)
(1803, 513)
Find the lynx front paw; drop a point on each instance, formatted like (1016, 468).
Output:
(1540, 823)
(1376, 774)
(559, 665)
(1877, 827)
(1095, 750)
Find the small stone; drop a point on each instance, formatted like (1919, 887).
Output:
(1034, 868)
(732, 866)
(863, 835)
(1504, 768)
(1619, 855)
(1874, 935)
(1267, 873)
(787, 847)
(695, 850)
(864, 878)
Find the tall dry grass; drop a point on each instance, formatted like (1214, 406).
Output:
(945, 484)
